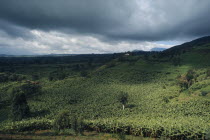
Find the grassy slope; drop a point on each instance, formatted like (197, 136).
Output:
(155, 100)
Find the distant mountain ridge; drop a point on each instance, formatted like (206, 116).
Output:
(158, 49)
(173, 50)
(4, 55)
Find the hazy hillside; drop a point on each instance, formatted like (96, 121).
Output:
(168, 92)
(198, 44)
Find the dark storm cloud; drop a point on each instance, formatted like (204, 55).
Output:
(13, 30)
(143, 20)
(87, 16)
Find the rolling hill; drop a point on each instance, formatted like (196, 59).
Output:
(168, 93)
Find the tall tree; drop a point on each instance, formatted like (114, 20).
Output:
(123, 98)
(20, 108)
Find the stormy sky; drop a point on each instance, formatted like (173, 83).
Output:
(99, 26)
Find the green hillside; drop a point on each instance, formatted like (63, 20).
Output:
(168, 93)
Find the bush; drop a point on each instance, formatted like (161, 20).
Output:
(62, 121)
(20, 108)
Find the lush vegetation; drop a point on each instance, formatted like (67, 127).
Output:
(144, 94)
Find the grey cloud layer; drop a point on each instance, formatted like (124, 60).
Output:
(110, 19)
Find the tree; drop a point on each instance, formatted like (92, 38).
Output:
(20, 108)
(57, 75)
(84, 73)
(31, 88)
(191, 77)
(185, 81)
(35, 77)
(62, 121)
(90, 62)
(123, 98)
(51, 76)
(77, 125)
(3, 77)
(208, 73)
(61, 75)
(176, 61)
(146, 56)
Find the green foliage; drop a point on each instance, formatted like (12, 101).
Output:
(5, 77)
(146, 56)
(190, 75)
(62, 121)
(77, 125)
(27, 125)
(179, 128)
(35, 77)
(20, 108)
(111, 64)
(156, 106)
(204, 93)
(57, 75)
(186, 80)
(31, 88)
(183, 83)
(84, 73)
(123, 98)
(208, 73)
(165, 99)
(176, 61)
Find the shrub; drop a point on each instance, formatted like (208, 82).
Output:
(20, 108)
(62, 121)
